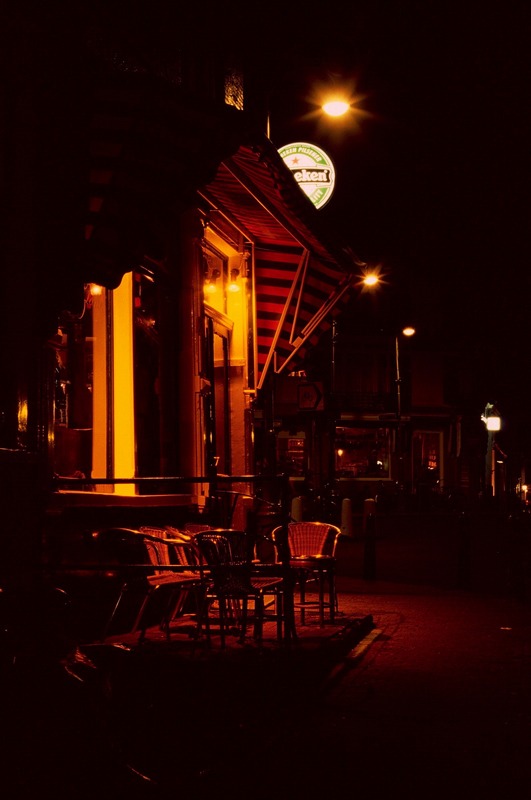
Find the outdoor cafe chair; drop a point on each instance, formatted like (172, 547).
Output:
(150, 594)
(192, 527)
(311, 553)
(235, 583)
(171, 546)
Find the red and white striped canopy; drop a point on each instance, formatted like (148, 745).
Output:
(302, 278)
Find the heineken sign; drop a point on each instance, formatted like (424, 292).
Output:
(312, 169)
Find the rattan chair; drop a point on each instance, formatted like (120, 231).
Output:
(311, 548)
(234, 584)
(191, 527)
(170, 546)
(150, 594)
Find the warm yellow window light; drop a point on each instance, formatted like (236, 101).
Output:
(123, 384)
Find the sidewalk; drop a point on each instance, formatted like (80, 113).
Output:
(310, 657)
(428, 696)
(435, 704)
(415, 690)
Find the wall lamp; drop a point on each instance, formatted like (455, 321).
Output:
(234, 285)
(210, 280)
(238, 272)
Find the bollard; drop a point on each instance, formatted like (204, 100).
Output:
(369, 508)
(346, 517)
(297, 509)
(369, 534)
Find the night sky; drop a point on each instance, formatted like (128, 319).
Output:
(432, 176)
(433, 179)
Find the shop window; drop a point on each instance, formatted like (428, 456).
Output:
(215, 269)
(234, 88)
(217, 402)
(94, 407)
(147, 353)
(222, 409)
(362, 452)
(74, 389)
(224, 362)
(291, 455)
(427, 457)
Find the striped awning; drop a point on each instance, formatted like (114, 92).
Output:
(302, 278)
(295, 304)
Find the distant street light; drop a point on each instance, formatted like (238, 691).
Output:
(492, 420)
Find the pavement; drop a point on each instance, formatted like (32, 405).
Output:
(417, 690)
(434, 702)
(125, 717)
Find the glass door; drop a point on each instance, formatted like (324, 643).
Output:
(217, 402)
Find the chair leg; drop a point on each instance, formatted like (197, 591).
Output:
(234, 612)
(136, 624)
(203, 603)
(280, 615)
(140, 614)
(333, 596)
(174, 608)
(222, 619)
(113, 613)
(321, 598)
(258, 617)
(202, 608)
(243, 619)
(302, 597)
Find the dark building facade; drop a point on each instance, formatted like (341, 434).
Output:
(170, 296)
(161, 268)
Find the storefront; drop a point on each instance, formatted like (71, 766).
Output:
(169, 374)
(134, 376)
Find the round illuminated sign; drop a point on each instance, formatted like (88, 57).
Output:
(312, 169)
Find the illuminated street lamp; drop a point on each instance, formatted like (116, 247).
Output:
(370, 279)
(492, 420)
(338, 97)
(407, 331)
(329, 100)
(336, 107)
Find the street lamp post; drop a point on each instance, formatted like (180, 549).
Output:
(407, 331)
(492, 421)
(369, 280)
(398, 380)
